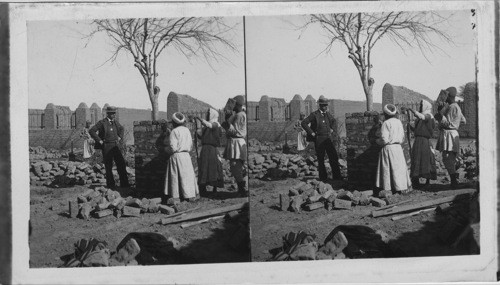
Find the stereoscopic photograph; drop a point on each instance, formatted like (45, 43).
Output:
(363, 135)
(216, 142)
(137, 136)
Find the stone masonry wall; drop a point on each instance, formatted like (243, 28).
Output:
(362, 150)
(150, 157)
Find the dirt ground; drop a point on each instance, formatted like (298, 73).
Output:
(412, 237)
(54, 232)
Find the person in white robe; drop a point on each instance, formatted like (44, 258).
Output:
(392, 171)
(180, 180)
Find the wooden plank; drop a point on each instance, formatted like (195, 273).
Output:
(399, 217)
(424, 204)
(212, 212)
(393, 205)
(189, 224)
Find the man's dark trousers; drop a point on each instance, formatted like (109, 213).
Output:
(324, 144)
(111, 152)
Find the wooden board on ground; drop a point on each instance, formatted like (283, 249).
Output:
(212, 212)
(189, 224)
(458, 194)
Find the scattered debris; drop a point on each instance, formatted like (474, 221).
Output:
(459, 194)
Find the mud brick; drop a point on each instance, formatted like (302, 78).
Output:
(313, 199)
(117, 201)
(233, 215)
(134, 203)
(328, 205)
(364, 200)
(336, 244)
(345, 195)
(128, 252)
(284, 202)
(356, 200)
(384, 193)
(85, 210)
(293, 192)
(88, 193)
(73, 209)
(131, 211)
(296, 204)
(341, 204)
(166, 209)
(390, 200)
(314, 206)
(367, 193)
(81, 199)
(332, 197)
(156, 200)
(102, 206)
(321, 188)
(153, 207)
(118, 213)
(377, 202)
(356, 193)
(327, 194)
(103, 213)
(443, 208)
(299, 185)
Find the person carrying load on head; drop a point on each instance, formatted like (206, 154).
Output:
(236, 148)
(210, 165)
(423, 161)
(449, 118)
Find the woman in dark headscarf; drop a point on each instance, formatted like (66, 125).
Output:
(210, 165)
(423, 161)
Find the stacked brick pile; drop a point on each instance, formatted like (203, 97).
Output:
(279, 165)
(69, 173)
(313, 194)
(38, 152)
(102, 202)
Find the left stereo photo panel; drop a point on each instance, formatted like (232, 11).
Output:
(137, 140)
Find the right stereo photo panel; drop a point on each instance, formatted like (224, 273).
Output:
(362, 135)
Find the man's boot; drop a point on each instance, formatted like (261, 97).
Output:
(242, 189)
(454, 180)
(203, 189)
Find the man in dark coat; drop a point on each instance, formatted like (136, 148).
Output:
(320, 131)
(108, 133)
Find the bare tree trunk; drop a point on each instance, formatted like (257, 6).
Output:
(153, 97)
(369, 99)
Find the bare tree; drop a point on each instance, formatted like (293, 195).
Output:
(360, 32)
(146, 39)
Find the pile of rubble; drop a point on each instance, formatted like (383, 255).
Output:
(345, 241)
(314, 194)
(279, 165)
(101, 202)
(70, 173)
(39, 152)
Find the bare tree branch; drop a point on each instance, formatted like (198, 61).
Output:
(146, 39)
(360, 32)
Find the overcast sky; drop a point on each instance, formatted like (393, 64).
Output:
(281, 65)
(65, 69)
